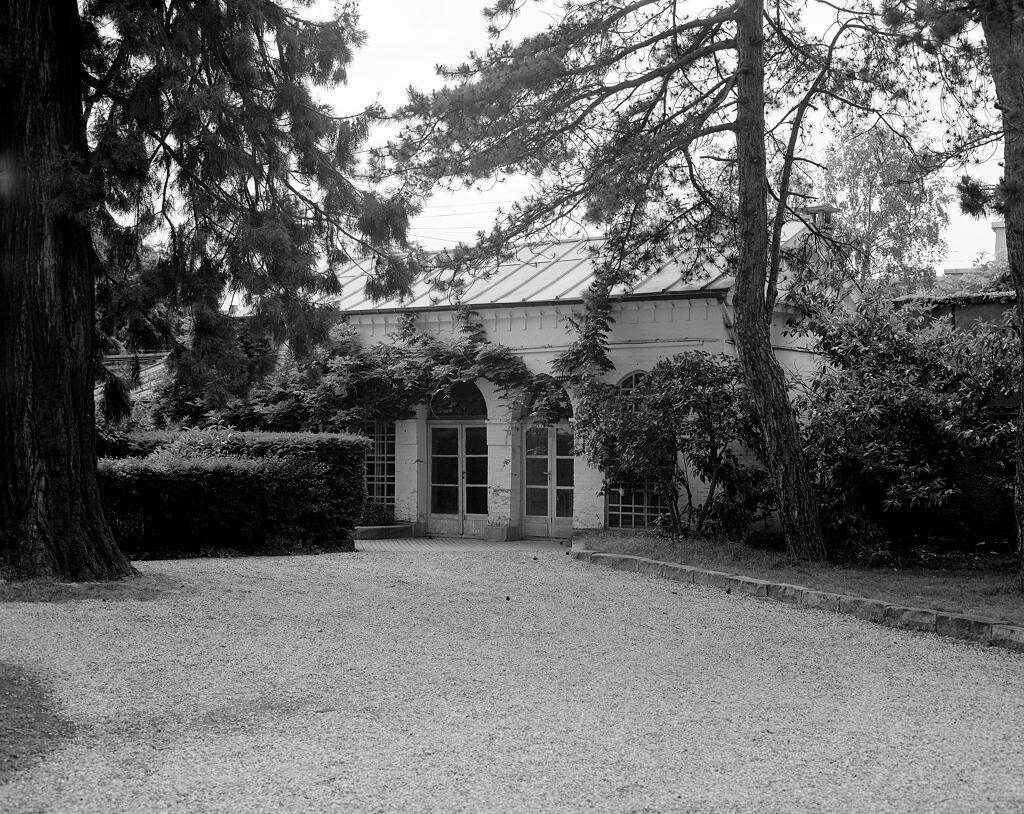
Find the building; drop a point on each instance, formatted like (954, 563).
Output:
(476, 468)
(972, 295)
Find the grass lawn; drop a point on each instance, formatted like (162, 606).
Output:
(987, 592)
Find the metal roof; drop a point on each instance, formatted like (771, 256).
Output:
(550, 272)
(555, 271)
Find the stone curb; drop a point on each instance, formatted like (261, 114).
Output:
(985, 631)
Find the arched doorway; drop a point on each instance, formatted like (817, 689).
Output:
(457, 472)
(549, 465)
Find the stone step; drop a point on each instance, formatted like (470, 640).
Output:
(397, 531)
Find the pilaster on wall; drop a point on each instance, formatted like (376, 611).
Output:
(411, 487)
(503, 464)
(503, 455)
(588, 502)
(588, 483)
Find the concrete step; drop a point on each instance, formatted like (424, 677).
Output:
(397, 531)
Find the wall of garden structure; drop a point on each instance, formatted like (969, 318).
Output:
(477, 466)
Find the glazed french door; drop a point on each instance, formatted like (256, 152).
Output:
(458, 480)
(548, 481)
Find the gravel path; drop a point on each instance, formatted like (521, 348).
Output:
(502, 678)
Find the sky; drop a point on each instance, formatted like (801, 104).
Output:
(406, 39)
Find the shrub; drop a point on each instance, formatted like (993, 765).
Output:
(113, 444)
(745, 497)
(163, 506)
(375, 514)
(902, 407)
(249, 492)
(687, 417)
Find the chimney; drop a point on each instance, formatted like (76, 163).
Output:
(821, 215)
(999, 227)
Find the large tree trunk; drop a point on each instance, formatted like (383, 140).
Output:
(798, 509)
(1003, 24)
(51, 523)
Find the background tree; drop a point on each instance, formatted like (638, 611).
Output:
(209, 166)
(648, 120)
(892, 212)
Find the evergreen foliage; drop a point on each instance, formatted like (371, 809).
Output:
(209, 491)
(216, 170)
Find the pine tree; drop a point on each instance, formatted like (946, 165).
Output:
(172, 150)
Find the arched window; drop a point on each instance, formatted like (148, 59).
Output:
(629, 387)
(463, 400)
(630, 383)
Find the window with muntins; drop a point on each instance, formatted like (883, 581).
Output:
(633, 505)
(639, 504)
(628, 385)
(380, 463)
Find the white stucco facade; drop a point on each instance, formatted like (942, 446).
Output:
(649, 324)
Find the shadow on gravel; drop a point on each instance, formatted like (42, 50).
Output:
(30, 727)
(134, 589)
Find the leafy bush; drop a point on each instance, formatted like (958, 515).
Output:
(902, 405)
(745, 496)
(686, 417)
(111, 443)
(205, 489)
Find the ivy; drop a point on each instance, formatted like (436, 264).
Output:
(347, 384)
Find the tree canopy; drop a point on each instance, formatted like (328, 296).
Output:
(893, 214)
(217, 170)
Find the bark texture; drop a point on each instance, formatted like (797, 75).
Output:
(1003, 24)
(51, 522)
(798, 509)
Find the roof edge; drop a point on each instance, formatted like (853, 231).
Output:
(700, 294)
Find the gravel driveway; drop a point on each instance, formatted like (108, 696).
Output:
(501, 678)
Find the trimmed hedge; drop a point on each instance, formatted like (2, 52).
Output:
(374, 514)
(215, 491)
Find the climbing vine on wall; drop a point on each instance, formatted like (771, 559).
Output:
(348, 384)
